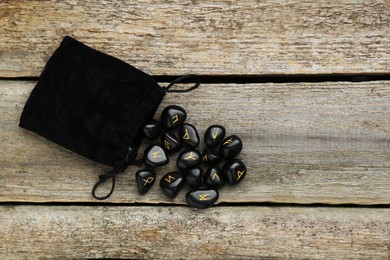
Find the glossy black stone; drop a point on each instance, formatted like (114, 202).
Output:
(211, 156)
(155, 156)
(231, 146)
(202, 198)
(131, 155)
(194, 177)
(214, 177)
(188, 159)
(189, 135)
(173, 116)
(171, 183)
(145, 180)
(170, 142)
(234, 171)
(152, 129)
(214, 135)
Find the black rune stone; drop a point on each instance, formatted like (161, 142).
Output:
(214, 135)
(173, 116)
(211, 156)
(155, 156)
(170, 142)
(152, 129)
(145, 180)
(214, 177)
(188, 159)
(231, 147)
(234, 171)
(189, 135)
(194, 177)
(202, 198)
(171, 183)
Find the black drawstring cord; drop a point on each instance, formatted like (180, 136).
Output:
(111, 175)
(182, 79)
(103, 178)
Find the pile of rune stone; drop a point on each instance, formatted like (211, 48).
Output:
(204, 185)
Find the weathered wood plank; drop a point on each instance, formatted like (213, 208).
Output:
(180, 232)
(218, 37)
(303, 143)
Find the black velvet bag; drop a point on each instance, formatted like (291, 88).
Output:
(93, 104)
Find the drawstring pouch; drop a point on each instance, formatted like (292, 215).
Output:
(94, 105)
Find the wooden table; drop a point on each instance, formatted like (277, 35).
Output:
(306, 86)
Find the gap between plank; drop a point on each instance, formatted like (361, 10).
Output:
(222, 204)
(274, 78)
(269, 78)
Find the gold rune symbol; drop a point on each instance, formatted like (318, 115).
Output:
(239, 174)
(156, 154)
(215, 176)
(215, 134)
(204, 196)
(170, 178)
(186, 135)
(167, 145)
(228, 141)
(191, 156)
(175, 118)
(148, 180)
(205, 158)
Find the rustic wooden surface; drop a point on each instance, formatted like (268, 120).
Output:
(318, 154)
(204, 37)
(303, 143)
(178, 232)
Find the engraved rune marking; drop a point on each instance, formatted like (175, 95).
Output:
(215, 176)
(205, 158)
(167, 145)
(215, 134)
(191, 156)
(204, 196)
(175, 118)
(228, 141)
(186, 135)
(148, 180)
(170, 178)
(156, 154)
(239, 174)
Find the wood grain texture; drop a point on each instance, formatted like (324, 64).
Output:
(217, 37)
(183, 233)
(303, 143)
